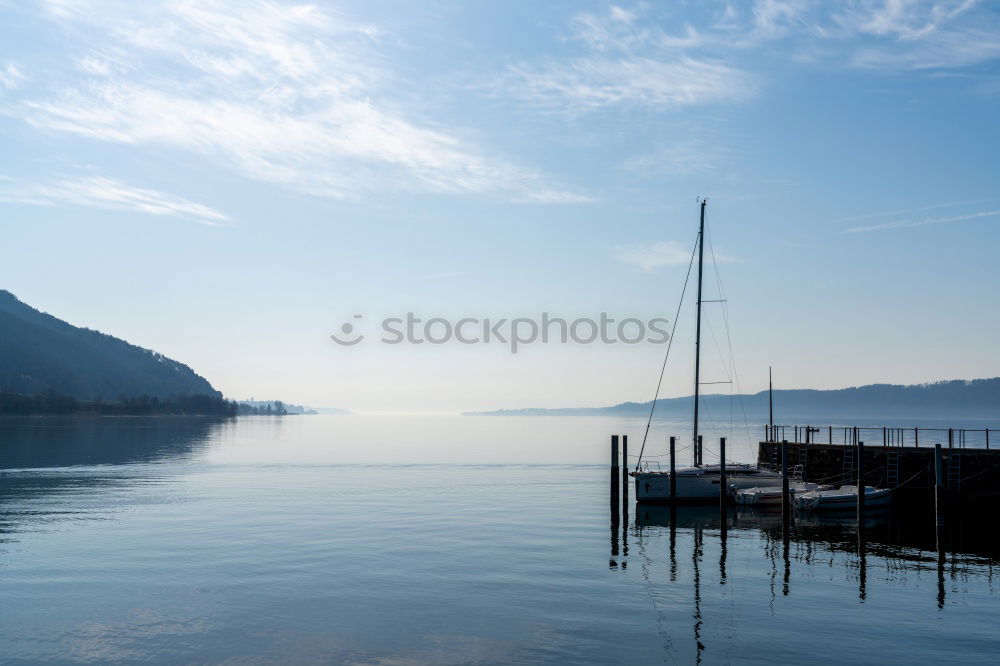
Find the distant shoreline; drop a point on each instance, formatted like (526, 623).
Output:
(976, 398)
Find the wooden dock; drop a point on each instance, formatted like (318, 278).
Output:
(893, 457)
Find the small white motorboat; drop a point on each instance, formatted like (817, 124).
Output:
(845, 497)
(771, 496)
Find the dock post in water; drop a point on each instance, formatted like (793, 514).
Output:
(723, 485)
(861, 483)
(625, 478)
(938, 496)
(614, 479)
(673, 471)
(785, 499)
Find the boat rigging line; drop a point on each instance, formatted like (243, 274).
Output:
(729, 340)
(666, 356)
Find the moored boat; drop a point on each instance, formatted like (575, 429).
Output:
(770, 496)
(845, 497)
(700, 483)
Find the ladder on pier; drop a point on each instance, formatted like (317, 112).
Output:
(803, 462)
(848, 466)
(954, 470)
(892, 469)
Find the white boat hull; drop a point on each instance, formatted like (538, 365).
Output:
(846, 498)
(770, 496)
(697, 486)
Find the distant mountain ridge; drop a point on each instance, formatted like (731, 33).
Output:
(41, 354)
(976, 398)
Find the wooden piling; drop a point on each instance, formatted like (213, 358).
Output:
(785, 499)
(861, 484)
(625, 477)
(615, 473)
(673, 471)
(938, 496)
(723, 485)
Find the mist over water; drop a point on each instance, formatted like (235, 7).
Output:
(439, 540)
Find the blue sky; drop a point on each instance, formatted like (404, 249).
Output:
(228, 184)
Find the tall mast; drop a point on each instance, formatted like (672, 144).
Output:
(697, 335)
(770, 395)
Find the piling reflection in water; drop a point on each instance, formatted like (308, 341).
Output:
(940, 577)
(673, 544)
(723, 538)
(893, 543)
(900, 541)
(699, 536)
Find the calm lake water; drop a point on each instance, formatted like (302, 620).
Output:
(441, 540)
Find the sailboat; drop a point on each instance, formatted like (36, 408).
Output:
(698, 482)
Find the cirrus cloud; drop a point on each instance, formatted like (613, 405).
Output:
(281, 93)
(106, 193)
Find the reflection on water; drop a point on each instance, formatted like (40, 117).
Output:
(66, 455)
(274, 540)
(899, 543)
(31, 442)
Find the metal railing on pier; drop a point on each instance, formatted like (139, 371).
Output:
(953, 438)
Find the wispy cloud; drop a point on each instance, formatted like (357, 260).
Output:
(652, 256)
(10, 76)
(905, 19)
(626, 63)
(875, 34)
(596, 82)
(921, 34)
(679, 158)
(920, 209)
(899, 224)
(627, 58)
(108, 194)
(777, 18)
(286, 94)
